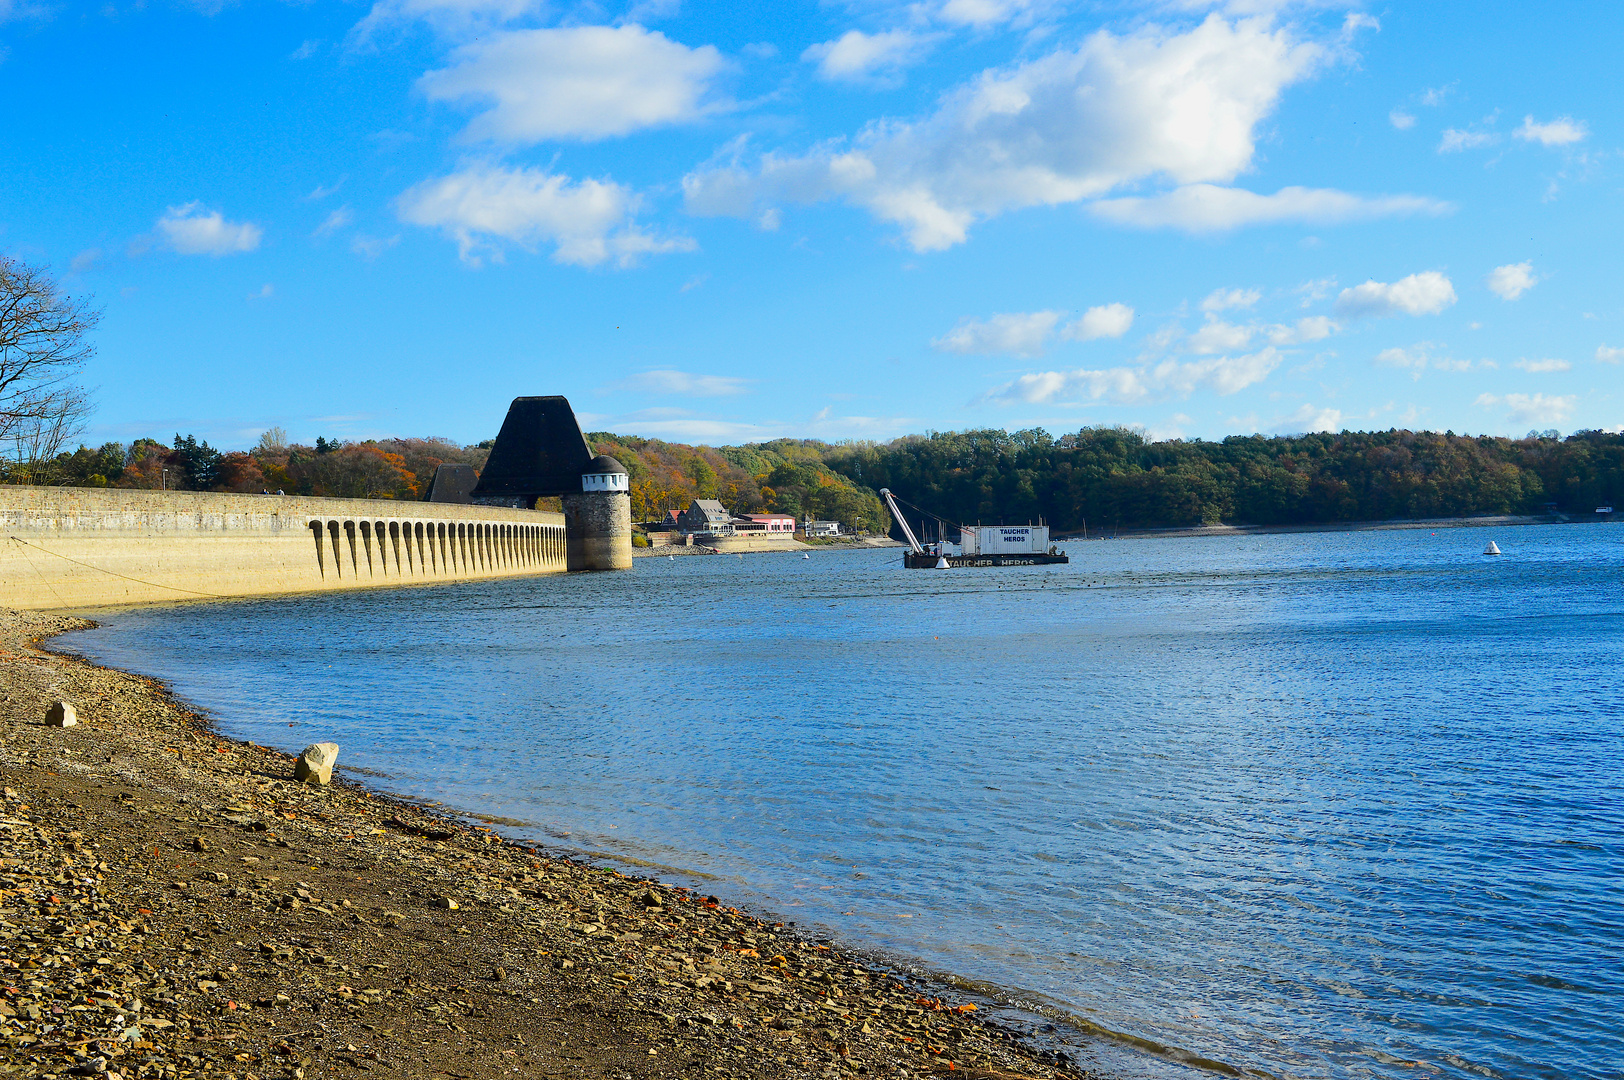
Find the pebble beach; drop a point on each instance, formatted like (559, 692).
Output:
(173, 904)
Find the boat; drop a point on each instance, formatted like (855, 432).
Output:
(1492, 549)
(979, 545)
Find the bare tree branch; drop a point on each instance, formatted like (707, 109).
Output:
(44, 343)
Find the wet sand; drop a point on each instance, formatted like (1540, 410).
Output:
(173, 905)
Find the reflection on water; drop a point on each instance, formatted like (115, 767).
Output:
(1320, 805)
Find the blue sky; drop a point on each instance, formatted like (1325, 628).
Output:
(727, 223)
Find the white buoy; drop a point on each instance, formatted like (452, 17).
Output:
(805, 556)
(942, 563)
(1492, 549)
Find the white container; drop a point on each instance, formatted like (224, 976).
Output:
(1004, 539)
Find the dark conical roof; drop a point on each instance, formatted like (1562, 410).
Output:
(603, 463)
(540, 451)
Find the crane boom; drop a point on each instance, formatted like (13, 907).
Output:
(913, 542)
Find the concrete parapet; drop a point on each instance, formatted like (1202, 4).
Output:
(94, 547)
(599, 527)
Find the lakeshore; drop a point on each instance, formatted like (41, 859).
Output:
(1480, 522)
(176, 906)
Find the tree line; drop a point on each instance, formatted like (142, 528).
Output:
(786, 476)
(1098, 477)
(1109, 476)
(373, 469)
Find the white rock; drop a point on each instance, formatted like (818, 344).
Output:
(315, 765)
(61, 714)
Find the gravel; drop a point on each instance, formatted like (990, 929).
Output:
(173, 905)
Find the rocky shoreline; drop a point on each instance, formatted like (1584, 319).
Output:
(174, 905)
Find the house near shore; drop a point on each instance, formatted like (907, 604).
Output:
(708, 517)
(822, 528)
(770, 524)
(705, 516)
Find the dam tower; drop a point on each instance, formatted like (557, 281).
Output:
(541, 453)
(598, 520)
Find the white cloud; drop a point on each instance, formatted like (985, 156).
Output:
(1203, 208)
(1418, 358)
(1064, 127)
(582, 82)
(1312, 328)
(685, 425)
(588, 221)
(86, 260)
(856, 56)
(686, 384)
(1604, 355)
(1426, 293)
(264, 292)
(1314, 291)
(1400, 119)
(1309, 419)
(1105, 321)
(1512, 280)
(983, 13)
(1403, 358)
(370, 247)
(1169, 429)
(20, 9)
(1129, 385)
(1563, 131)
(1531, 408)
(457, 18)
(1454, 140)
(1540, 367)
(192, 230)
(334, 221)
(1017, 334)
(1217, 336)
(1027, 333)
(1224, 299)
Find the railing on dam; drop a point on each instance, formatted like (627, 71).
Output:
(379, 547)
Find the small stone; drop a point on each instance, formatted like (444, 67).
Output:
(499, 974)
(447, 903)
(315, 765)
(61, 714)
(199, 844)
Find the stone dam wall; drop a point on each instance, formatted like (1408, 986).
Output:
(98, 547)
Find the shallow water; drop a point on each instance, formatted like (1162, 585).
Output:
(1318, 805)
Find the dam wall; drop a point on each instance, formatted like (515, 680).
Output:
(98, 547)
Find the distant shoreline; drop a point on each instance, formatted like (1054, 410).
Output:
(1486, 521)
(840, 544)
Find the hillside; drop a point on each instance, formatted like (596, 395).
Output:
(1113, 476)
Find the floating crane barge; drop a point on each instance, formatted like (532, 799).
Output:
(979, 545)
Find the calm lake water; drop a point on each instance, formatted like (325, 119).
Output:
(1323, 805)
